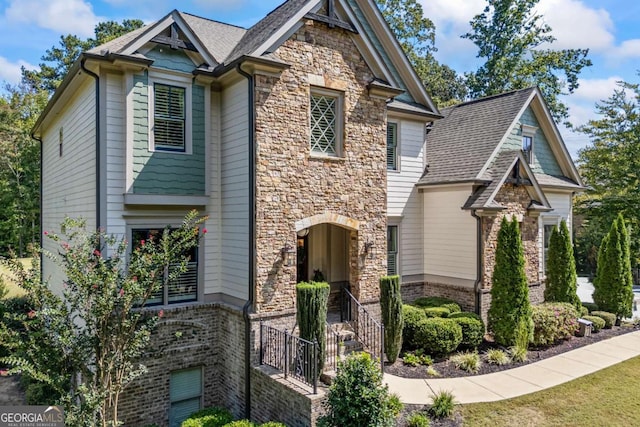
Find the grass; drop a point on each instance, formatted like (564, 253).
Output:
(606, 398)
(12, 286)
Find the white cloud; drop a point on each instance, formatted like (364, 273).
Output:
(577, 26)
(10, 71)
(627, 49)
(452, 13)
(595, 90)
(64, 16)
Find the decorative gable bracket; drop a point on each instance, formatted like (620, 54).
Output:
(331, 19)
(174, 41)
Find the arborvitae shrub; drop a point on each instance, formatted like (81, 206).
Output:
(472, 330)
(562, 280)
(412, 317)
(391, 306)
(311, 300)
(510, 307)
(438, 336)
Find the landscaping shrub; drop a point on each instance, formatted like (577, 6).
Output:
(584, 311)
(412, 317)
(311, 302)
(438, 336)
(496, 356)
(273, 424)
(609, 318)
(591, 306)
(443, 404)
(597, 322)
(241, 423)
(468, 361)
(432, 372)
(358, 397)
(613, 284)
(553, 322)
(391, 307)
(209, 417)
(465, 314)
(417, 358)
(472, 330)
(519, 350)
(450, 304)
(510, 311)
(437, 311)
(562, 281)
(418, 419)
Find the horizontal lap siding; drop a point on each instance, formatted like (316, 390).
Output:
(234, 176)
(69, 182)
(450, 234)
(116, 152)
(212, 241)
(404, 200)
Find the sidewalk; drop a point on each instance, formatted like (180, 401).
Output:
(523, 380)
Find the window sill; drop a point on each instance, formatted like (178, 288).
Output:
(320, 157)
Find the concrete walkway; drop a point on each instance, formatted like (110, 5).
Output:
(523, 380)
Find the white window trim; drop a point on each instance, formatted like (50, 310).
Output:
(546, 220)
(178, 81)
(398, 148)
(529, 131)
(315, 90)
(157, 223)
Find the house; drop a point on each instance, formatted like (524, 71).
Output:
(285, 135)
(487, 158)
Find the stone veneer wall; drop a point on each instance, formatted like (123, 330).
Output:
(293, 185)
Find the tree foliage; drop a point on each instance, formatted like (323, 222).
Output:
(86, 345)
(58, 59)
(613, 284)
(416, 34)
(510, 311)
(562, 280)
(610, 166)
(512, 40)
(311, 314)
(391, 307)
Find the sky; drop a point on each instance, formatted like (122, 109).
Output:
(610, 29)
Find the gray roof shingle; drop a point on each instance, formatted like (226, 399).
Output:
(219, 38)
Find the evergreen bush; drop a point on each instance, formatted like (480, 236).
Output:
(472, 330)
(436, 311)
(453, 306)
(438, 336)
(311, 300)
(597, 323)
(591, 306)
(562, 280)
(391, 306)
(613, 284)
(358, 396)
(412, 317)
(209, 417)
(510, 307)
(609, 318)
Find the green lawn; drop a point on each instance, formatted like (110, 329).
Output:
(7, 276)
(610, 397)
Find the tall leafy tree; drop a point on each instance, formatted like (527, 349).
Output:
(610, 166)
(562, 280)
(416, 35)
(510, 310)
(613, 287)
(512, 40)
(58, 59)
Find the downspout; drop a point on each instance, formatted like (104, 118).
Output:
(41, 181)
(97, 80)
(479, 247)
(248, 307)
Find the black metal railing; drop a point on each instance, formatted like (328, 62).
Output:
(334, 348)
(292, 355)
(368, 330)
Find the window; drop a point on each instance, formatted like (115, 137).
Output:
(546, 236)
(527, 148)
(182, 289)
(392, 146)
(60, 140)
(169, 117)
(185, 393)
(392, 250)
(326, 122)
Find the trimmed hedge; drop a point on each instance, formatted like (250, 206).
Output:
(209, 417)
(450, 304)
(591, 306)
(241, 423)
(437, 311)
(412, 317)
(597, 322)
(553, 322)
(465, 314)
(472, 330)
(438, 336)
(609, 318)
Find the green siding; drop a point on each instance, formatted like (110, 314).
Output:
(175, 60)
(165, 172)
(380, 50)
(544, 159)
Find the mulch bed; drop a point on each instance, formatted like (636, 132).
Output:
(448, 370)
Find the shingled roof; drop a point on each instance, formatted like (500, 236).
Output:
(460, 144)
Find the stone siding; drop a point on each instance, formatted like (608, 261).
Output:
(293, 184)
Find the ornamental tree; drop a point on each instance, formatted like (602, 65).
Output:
(510, 309)
(86, 344)
(613, 284)
(311, 301)
(391, 307)
(562, 280)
